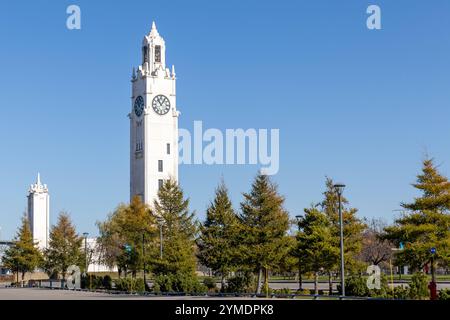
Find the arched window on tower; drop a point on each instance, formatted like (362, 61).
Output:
(157, 53)
(145, 54)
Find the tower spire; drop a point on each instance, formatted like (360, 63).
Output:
(154, 31)
(38, 182)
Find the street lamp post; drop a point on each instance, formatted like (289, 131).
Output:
(160, 222)
(143, 257)
(86, 264)
(339, 189)
(432, 286)
(85, 234)
(300, 280)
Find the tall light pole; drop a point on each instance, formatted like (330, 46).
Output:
(160, 222)
(339, 190)
(300, 280)
(143, 258)
(85, 234)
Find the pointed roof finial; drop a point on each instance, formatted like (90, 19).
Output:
(154, 31)
(38, 182)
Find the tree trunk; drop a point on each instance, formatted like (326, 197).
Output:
(63, 279)
(222, 282)
(266, 281)
(330, 282)
(316, 283)
(258, 287)
(300, 280)
(23, 280)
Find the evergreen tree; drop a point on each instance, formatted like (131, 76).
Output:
(179, 231)
(435, 190)
(23, 256)
(264, 224)
(217, 239)
(315, 243)
(353, 230)
(65, 247)
(426, 224)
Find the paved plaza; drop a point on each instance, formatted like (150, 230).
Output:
(48, 294)
(57, 294)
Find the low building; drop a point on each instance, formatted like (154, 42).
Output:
(92, 251)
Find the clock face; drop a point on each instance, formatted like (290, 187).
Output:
(161, 104)
(139, 106)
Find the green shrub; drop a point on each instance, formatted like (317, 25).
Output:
(305, 292)
(444, 294)
(93, 282)
(210, 284)
(418, 288)
(241, 283)
(130, 284)
(162, 283)
(178, 282)
(385, 290)
(107, 282)
(401, 292)
(283, 291)
(355, 286)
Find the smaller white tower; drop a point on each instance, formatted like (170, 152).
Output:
(38, 212)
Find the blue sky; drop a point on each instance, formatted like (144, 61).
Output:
(358, 105)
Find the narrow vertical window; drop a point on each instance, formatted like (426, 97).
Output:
(157, 53)
(145, 53)
(160, 166)
(168, 148)
(160, 183)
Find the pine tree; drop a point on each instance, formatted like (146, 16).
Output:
(316, 245)
(426, 224)
(179, 231)
(217, 241)
(23, 256)
(264, 223)
(65, 247)
(435, 190)
(353, 230)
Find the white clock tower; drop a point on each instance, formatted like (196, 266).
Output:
(153, 121)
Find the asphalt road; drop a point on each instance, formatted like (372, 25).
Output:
(324, 285)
